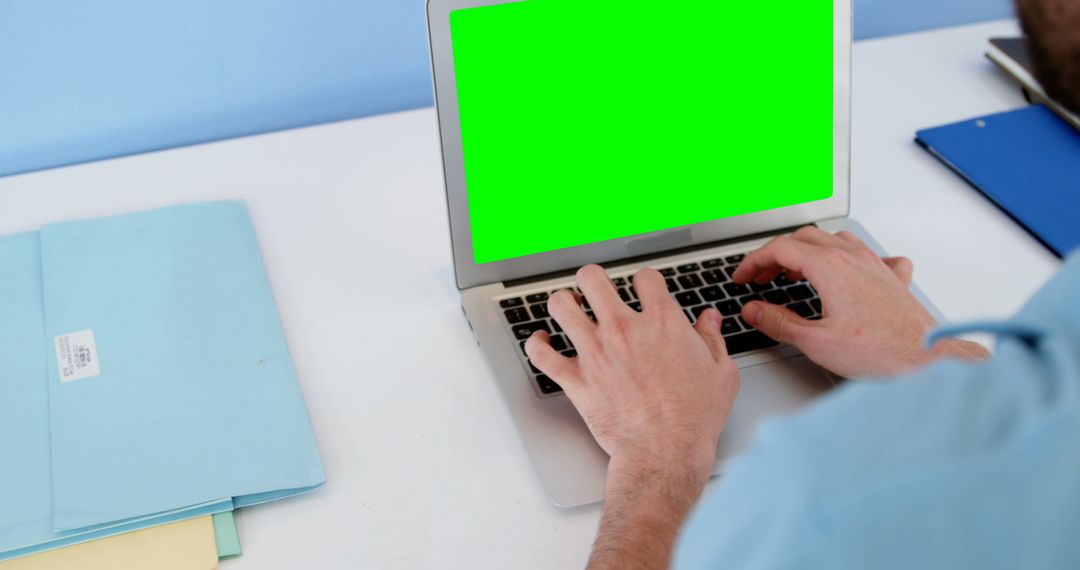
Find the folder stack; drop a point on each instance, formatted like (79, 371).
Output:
(146, 389)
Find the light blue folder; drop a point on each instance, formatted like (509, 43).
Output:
(25, 475)
(196, 407)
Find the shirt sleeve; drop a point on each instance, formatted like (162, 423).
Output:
(756, 516)
(826, 487)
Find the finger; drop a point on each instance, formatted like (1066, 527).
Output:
(564, 308)
(763, 276)
(574, 294)
(855, 244)
(849, 237)
(794, 276)
(778, 323)
(769, 275)
(652, 290)
(902, 267)
(560, 368)
(782, 253)
(708, 326)
(601, 293)
(816, 236)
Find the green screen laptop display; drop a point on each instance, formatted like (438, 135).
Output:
(585, 121)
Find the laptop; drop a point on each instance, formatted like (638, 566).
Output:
(637, 134)
(1012, 56)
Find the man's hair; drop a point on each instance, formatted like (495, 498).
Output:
(1053, 31)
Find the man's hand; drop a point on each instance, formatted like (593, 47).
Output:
(872, 324)
(655, 393)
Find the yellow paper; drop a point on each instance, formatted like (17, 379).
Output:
(184, 545)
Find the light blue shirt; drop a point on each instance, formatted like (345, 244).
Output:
(954, 466)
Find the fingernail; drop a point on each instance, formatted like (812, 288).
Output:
(715, 319)
(752, 313)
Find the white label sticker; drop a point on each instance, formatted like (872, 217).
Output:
(76, 353)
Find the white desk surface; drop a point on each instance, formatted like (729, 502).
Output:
(424, 467)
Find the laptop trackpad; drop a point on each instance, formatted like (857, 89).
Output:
(775, 388)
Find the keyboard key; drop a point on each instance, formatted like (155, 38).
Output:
(736, 290)
(800, 292)
(690, 281)
(729, 307)
(760, 287)
(747, 341)
(555, 325)
(689, 317)
(619, 281)
(539, 310)
(518, 315)
(624, 295)
(667, 272)
(547, 385)
(510, 303)
(633, 292)
(802, 309)
(570, 353)
(730, 325)
(522, 343)
(735, 258)
(782, 280)
(712, 293)
(698, 310)
(536, 297)
(636, 305)
(714, 276)
(689, 268)
(672, 286)
(712, 263)
(524, 331)
(777, 297)
(745, 325)
(744, 301)
(558, 342)
(688, 298)
(730, 270)
(816, 304)
(533, 367)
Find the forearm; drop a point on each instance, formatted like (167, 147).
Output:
(645, 506)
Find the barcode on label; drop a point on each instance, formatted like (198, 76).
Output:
(76, 356)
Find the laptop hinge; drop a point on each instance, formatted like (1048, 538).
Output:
(660, 254)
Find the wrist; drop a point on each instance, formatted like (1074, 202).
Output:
(646, 502)
(680, 478)
(955, 348)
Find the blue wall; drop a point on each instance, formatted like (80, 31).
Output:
(875, 18)
(82, 80)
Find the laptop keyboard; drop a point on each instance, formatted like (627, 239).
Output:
(695, 286)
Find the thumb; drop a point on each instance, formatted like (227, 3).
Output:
(708, 326)
(778, 323)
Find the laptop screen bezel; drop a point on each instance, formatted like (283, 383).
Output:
(470, 274)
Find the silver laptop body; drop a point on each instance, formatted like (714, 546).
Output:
(570, 465)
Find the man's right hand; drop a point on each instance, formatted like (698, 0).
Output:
(872, 324)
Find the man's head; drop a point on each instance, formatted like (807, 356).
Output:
(1053, 30)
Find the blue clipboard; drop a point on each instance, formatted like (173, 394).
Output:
(1026, 161)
